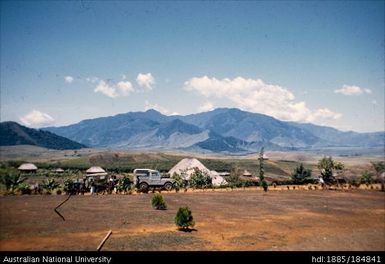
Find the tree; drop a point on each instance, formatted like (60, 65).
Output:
(234, 179)
(300, 174)
(366, 178)
(184, 219)
(12, 181)
(179, 182)
(261, 166)
(326, 165)
(379, 167)
(200, 179)
(262, 181)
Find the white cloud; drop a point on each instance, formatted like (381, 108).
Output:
(145, 80)
(92, 79)
(374, 102)
(106, 89)
(125, 87)
(207, 106)
(352, 90)
(258, 96)
(158, 108)
(110, 89)
(37, 119)
(68, 79)
(325, 113)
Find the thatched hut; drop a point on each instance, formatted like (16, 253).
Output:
(27, 167)
(96, 171)
(246, 173)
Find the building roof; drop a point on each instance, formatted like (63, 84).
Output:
(95, 169)
(27, 166)
(246, 173)
(58, 170)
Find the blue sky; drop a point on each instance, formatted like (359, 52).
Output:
(318, 62)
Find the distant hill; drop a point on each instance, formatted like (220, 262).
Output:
(223, 130)
(11, 133)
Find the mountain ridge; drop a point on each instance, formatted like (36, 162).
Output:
(221, 130)
(12, 133)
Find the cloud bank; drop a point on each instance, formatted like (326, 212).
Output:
(123, 87)
(36, 118)
(255, 95)
(352, 90)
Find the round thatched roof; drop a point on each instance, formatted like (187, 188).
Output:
(27, 167)
(246, 173)
(95, 169)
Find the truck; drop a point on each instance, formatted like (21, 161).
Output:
(147, 178)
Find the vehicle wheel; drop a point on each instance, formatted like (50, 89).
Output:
(167, 186)
(143, 187)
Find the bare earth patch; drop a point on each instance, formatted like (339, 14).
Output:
(232, 220)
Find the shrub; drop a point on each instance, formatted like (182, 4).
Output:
(50, 185)
(69, 186)
(179, 182)
(200, 179)
(158, 202)
(124, 184)
(264, 185)
(184, 219)
(300, 174)
(12, 181)
(366, 178)
(24, 188)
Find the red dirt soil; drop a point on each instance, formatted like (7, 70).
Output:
(228, 220)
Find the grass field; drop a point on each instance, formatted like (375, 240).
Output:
(225, 220)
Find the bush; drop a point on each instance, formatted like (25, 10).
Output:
(158, 202)
(300, 175)
(69, 186)
(264, 185)
(50, 185)
(179, 182)
(200, 179)
(184, 219)
(124, 184)
(12, 181)
(24, 188)
(366, 178)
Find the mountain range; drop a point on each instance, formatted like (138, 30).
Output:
(226, 130)
(11, 133)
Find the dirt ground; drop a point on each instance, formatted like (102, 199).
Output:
(228, 220)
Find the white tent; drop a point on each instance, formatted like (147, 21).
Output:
(185, 168)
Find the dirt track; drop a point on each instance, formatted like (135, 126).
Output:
(232, 220)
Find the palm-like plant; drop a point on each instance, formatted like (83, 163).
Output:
(50, 185)
(12, 181)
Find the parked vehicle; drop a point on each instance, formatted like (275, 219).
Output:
(146, 178)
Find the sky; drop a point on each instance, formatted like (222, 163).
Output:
(311, 62)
